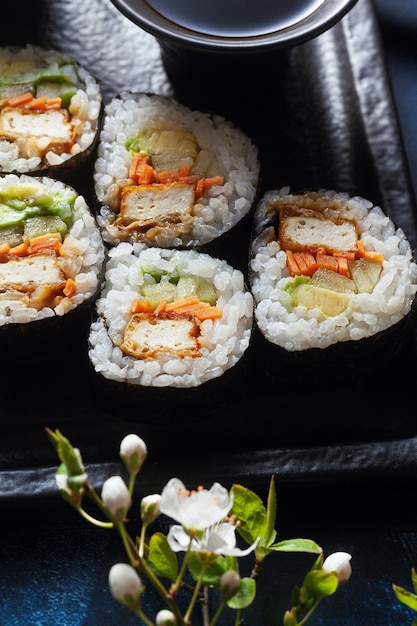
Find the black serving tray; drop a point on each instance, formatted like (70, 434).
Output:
(323, 116)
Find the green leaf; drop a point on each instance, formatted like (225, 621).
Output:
(66, 453)
(245, 596)
(320, 584)
(270, 532)
(162, 558)
(212, 572)
(296, 545)
(406, 597)
(250, 512)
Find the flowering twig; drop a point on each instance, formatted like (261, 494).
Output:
(208, 522)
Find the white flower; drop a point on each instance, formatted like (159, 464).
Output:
(116, 498)
(133, 452)
(339, 564)
(195, 510)
(149, 508)
(125, 585)
(218, 539)
(165, 618)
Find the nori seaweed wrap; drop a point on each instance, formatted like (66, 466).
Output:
(332, 276)
(50, 112)
(171, 177)
(171, 329)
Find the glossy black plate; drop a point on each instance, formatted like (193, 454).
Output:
(322, 115)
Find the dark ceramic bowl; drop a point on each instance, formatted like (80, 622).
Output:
(226, 30)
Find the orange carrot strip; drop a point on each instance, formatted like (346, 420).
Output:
(188, 180)
(4, 248)
(360, 248)
(146, 175)
(311, 263)
(178, 304)
(343, 267)
(193, 306)
(136, 165)
(349, 255)
(54, 103)
(141, 306)
(36, 103)
(49, 241)
(292, 264)
(21, 250)
(199, 188)
(185, 170)
(371, 255)
(161, 307)
(70, 288)
(203, 312)
(20, 100)
(328, 261)
(168, 176)
(214, 180)
(299, 259)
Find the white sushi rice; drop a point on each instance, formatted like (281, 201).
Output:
(367, 313)
(82, 258)
(224, 340)
(84, 109)
(220, 208)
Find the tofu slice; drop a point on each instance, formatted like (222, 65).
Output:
(308, 231)
(148, 334)
(50, 129)
(26, 274)
(145, 206)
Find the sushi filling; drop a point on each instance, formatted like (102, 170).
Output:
(168, 176)
(326, 268)
(169, 318)
(51, 252)
(49, 109)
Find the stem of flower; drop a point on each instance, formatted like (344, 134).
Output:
(196, 592)
(93, 520)
(310, 613)
(143, 617)
(132, 479)
(181, 572)
(238, 620)
(217, 614)
(142, 540)
(140, 563)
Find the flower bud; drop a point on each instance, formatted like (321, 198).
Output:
(116, 498)
(229, 584)
(149, 508)
(125, 585)
(133, 452)
(165, 618)
(339, 564)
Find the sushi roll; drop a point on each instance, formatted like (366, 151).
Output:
(170, 325)
(50, 112)
(51, 256)
(331, 275)
(171, 177)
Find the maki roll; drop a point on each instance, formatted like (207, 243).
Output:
(50, 110)
(169, 322)
(330, 271)
(51, 254)
(171, 177)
